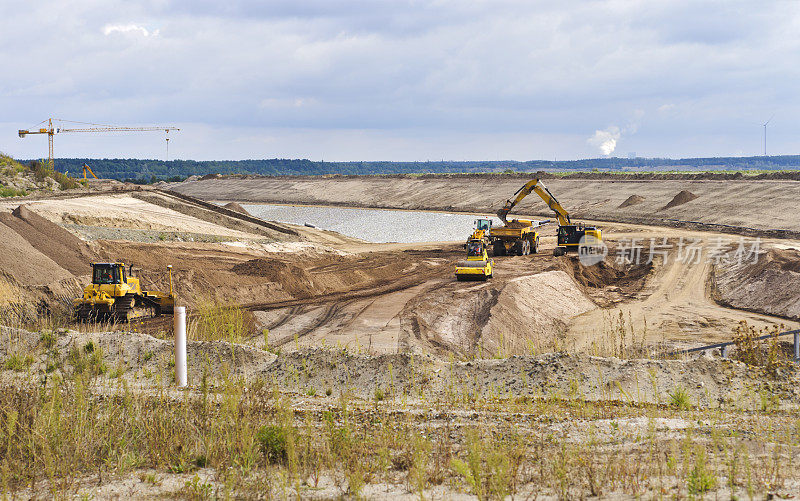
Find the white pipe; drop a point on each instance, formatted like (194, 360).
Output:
(180, 346)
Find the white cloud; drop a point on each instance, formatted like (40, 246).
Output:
(606, 140)
(128, 29)
(414, 70)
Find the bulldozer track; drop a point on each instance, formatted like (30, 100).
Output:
(384, 287)
(330, 312)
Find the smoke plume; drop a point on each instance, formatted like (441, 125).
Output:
(606, 139)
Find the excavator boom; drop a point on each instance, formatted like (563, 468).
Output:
(87, 168)
(536, 186)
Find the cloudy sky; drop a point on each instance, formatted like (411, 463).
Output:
(404, 80)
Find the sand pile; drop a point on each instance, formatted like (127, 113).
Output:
(70, 252)
(514, 223)
(532, 311)
(133, 352)
(608, 273)
(237, 208)
(680, 199)
(631, 200)
(293, 279)
(768, 286)
(509, 317)
(24, 263)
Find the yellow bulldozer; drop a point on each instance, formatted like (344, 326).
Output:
(115, 295)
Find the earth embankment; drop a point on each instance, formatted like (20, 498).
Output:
(742, 204)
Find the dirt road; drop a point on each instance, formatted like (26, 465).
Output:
(533, 304)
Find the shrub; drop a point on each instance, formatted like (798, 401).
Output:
(272, 440)
(18, 362)
(679, 398)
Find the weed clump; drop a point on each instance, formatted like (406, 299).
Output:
(753, 350)
(272, 440)
(219, 321)
(679, 399)
(88, 360)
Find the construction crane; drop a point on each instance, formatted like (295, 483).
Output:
(51, 131)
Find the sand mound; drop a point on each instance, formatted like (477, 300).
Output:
(768, 286)
(631, 200)
(24, 263)
(237, 208)
(70, 252)
(506, 318)
(531, 311)
(680, 199)
(606, 273)
(515, 223)
(293, 279)
(131, 352)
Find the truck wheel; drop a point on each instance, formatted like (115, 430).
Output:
(535, 248)
(559, 251)
(518, 247)
(499, 249)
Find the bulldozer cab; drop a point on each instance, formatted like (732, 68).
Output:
(108, 273)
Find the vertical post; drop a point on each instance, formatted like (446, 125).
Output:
(797, 346)
(169, 271)
(725, 351)
(180, 346)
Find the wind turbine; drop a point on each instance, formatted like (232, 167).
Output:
(765, 132)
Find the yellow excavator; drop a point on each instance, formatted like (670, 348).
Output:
(115, 295)
(569, 235)
(89, 169)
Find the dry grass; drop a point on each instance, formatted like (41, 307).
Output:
(215, 320)
(258, 443)
(63, 435)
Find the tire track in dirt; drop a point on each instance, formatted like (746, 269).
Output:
(330, 312)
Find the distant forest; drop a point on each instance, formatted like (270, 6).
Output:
(146, 171)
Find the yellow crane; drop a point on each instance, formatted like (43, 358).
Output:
(47, 127)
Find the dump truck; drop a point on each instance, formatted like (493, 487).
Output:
(117, 296)
(570, 236)
(518, 236)
(478, 265)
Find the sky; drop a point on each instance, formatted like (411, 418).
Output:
(410, 80)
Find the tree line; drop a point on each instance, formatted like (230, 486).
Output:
(139, 170)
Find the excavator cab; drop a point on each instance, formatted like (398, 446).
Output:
(570, 235)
